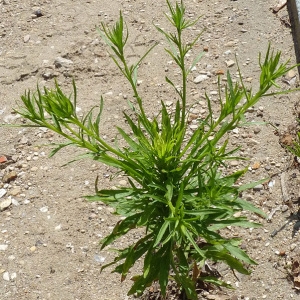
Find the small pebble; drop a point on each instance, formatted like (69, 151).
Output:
(44, 209)
(259, 187)
(293, 246)
(2, 192)
(3, 247)
(123, 182)
(230, 63)
(193, 127)
(200, 78)
(58, 227)
(5, 276)
(99, 259)
(5, 203)
(257, 130)
(26, 38)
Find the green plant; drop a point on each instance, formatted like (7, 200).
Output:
(177, 190)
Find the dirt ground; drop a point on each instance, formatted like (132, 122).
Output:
(49, 235)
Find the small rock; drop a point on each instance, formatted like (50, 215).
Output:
(234, 163)
(123, 182)
(58, 227)
(284, 208)
(3, 247)
(256, 166)
(252, 142)
(230, 63)
(44, 209)
(193, 116)
(291, 74)
(13, 276)
(23, 140)
(99, 259)
(15, 202)
(235, 131)
(257, 130)
(287, 139)
(38, 13)
(62, 62)
(3, 159)
(5, 203)
(15, 191)
(6, 276)
(169, 103)
(33, 248)
(9, 177)
(293, 246)
(271, 183)
(48, 75)
(26, 38)
(230, 44)
(193, 127)
(259, 187)
(2, 192)
(200, 78)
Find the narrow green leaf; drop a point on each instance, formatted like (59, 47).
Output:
(239, 253)
(161, 233)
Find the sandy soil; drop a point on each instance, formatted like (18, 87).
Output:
(49, 235)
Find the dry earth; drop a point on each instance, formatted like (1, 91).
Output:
(49, 234)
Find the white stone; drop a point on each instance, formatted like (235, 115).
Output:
(230, 63)
(44, 209)
(5, 203)
(200, 78)
(193, 127)
(58, 227)
(15, 202)
(6, 276)
(2, 192)
(62, 62)
(26, 38)
(99, 258)
(3, 247)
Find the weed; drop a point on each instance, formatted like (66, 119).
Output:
(177, 191)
